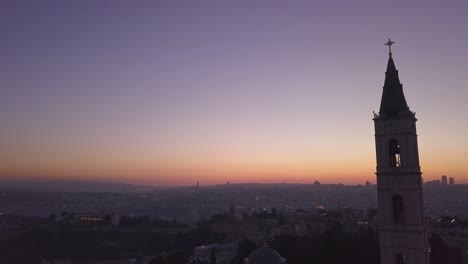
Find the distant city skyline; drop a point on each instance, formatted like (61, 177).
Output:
(173, 93)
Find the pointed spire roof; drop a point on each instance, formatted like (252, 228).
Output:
(391, 65)
(393, 99)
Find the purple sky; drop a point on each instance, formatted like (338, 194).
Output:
(173, 91)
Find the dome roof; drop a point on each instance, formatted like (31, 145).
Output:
(265, 255)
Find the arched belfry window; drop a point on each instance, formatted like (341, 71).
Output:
(398, 209)
(401, 258)
(394, 153)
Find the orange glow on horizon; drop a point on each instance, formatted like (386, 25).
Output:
(352, 171)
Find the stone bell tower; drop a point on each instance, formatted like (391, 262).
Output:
(402, 232)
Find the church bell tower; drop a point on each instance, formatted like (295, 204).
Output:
(402, 232)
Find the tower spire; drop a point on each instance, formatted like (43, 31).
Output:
(393, 99)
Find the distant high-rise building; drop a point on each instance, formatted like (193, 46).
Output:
(444, 179)
(316, 183)
(451, 181)
(402, 232)
(368, 183)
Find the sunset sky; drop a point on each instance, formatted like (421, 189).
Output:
(175, 92)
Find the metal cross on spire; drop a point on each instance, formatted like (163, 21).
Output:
(389, 44)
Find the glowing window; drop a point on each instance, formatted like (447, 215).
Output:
(394, 153)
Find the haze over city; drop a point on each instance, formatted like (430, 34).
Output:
(165, 93)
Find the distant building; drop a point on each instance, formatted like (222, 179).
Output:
(451, 181)
(265, 255)
(444, 179)
(435, 182)
(91, 219)
(368, 183)
(224, 253)
(454, 233)
(316, 183)
(115, 220)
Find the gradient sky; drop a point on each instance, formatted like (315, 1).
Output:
(174, 92)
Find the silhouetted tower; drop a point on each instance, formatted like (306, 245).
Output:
(451, 181)
(402, 232)
(444, 179)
